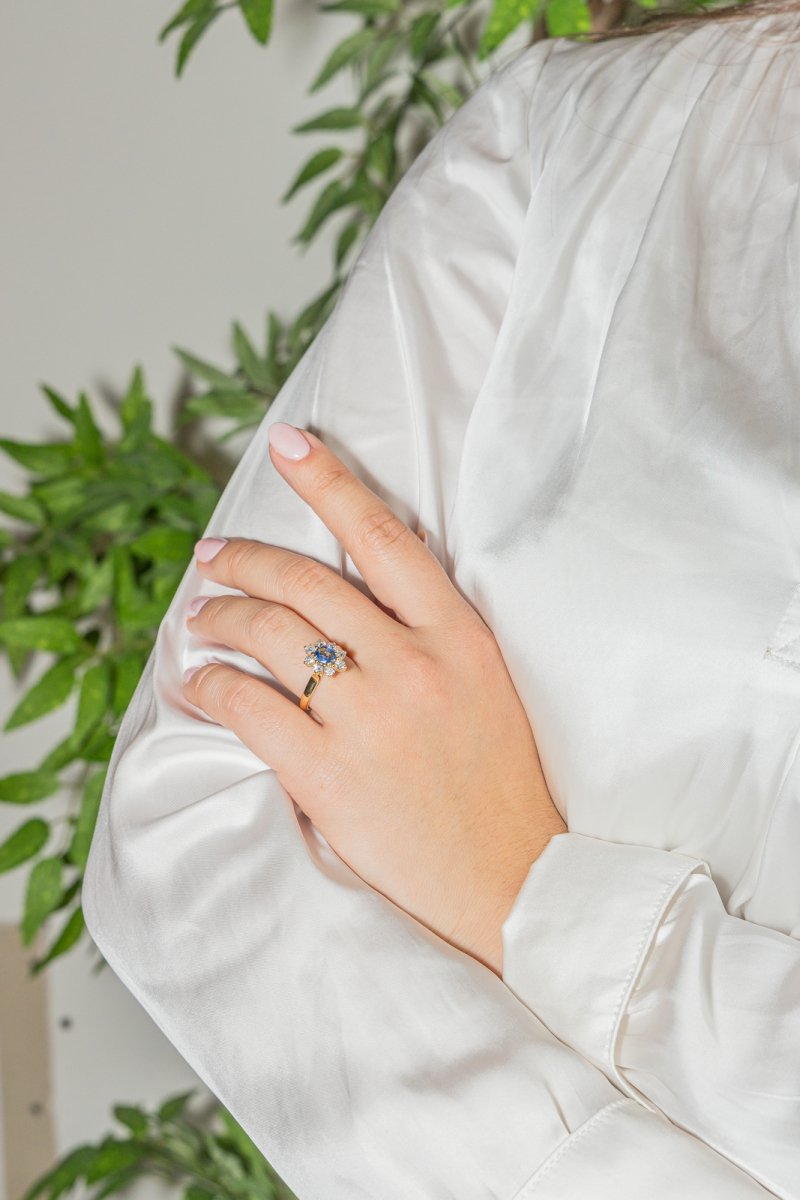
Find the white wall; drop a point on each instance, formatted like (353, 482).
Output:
(137, 211)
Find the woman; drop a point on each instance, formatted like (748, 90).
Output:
(415, 952)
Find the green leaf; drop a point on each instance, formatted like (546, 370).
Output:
(119, 1180)
(18, 582)
(332, 197)
(228, 1164)
(59, 403)
(51, 690)
(422, 91)
(23, 508)
(449, 94)
(96, 587)
(257, 371)
(128, 667)
(25, 787)
(421, 32)
(381, 156)
(348, 51)
(274, 329)
(378, 58)
(204, 370)
(42, 896)
(308, 321)
(62, 558)
(113, 1155)
(566, 18)
(333, 118)
(63, 1175)
(23, 843)
(323, 160)
(192, 37)
(117, 518)
(66, 751)
(100, 744)
(41, 632)
(78, 851)
(174, 545)
(185, 14)
(136, 412)
(367, 8)
(174, 1106)
(93, 699)
(45, 458)
(66, 939)
(225, 404)
(505, 17)
(345, 240)
(258, 15)
(87, 436)
(64, 497)
(132, 1118)
(259, 1167)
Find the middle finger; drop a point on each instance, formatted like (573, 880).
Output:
(273, 635)
(314, 590)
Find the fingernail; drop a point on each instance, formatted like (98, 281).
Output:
(423, 537)
(194, 606)
(206, 548)
(188, 673)
(288, 440)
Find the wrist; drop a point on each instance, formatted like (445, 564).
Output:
(481, 932)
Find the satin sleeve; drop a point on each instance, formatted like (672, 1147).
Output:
(365, 1056)
(628, 954)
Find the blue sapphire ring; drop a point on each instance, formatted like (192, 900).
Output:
(325, 658)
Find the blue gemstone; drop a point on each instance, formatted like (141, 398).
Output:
(325, 654)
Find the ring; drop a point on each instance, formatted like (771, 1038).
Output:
(327, 659)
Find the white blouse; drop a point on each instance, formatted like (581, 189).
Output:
(570, 351)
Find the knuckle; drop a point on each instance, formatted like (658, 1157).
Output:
(330, 480)
(482, 642)
(422, 671)
(242, 554)
(219, 689)
(303, 575)
(265, 621)
(380, 531)
(240, 696)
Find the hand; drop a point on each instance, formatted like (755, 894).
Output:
(417, 763)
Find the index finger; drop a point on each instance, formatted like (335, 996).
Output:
(399, 569)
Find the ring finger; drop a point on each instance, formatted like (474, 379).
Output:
(273, 635)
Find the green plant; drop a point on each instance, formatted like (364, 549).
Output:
(108, 527)
(205, 1157)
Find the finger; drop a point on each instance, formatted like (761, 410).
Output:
(397, 567)
(312, 589)
(275, 729)
(276, 637)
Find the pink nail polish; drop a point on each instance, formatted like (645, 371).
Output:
(288, 440)
(188, 673)
(194, 606)
(206, 548)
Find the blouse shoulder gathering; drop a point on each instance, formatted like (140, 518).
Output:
(567, 351)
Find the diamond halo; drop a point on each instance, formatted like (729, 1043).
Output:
(325, 657)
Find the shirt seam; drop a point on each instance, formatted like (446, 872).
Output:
(569, 1142)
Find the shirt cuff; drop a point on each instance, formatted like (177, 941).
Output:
(579, 932)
